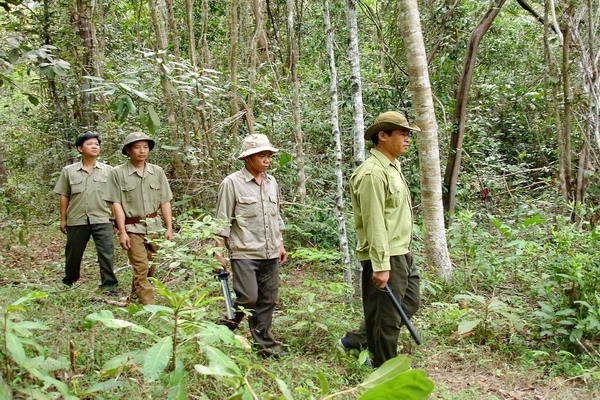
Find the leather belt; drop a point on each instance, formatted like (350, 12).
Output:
(135, 220)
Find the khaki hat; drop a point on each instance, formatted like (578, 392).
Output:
(136, 137)
(389, 121)
(256, 143)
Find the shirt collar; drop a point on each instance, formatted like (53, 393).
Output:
(131, 169)
(248, 176)
(95, 164)
(383, 160)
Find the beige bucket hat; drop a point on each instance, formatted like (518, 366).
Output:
(136, 137)
(256, 143)
(389, 121)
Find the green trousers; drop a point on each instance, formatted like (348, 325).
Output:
(381, 327)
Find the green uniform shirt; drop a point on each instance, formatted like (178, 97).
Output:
(85, 191)
(139, 196)
(382, 211)
(254, 224)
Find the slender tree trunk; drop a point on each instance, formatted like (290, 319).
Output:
(293, 54)
(460, 110)
(564, 135)
(233, 66)
(83, 22)
(436, 247)
(335, 128)
(355, 84)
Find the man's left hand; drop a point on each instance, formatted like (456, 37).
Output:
(380, 278)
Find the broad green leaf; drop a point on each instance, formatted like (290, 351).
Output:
(410, 385)
(177, 384)
(153, 116)
(104, 386)
(387, 371)
(324, 385)
(157, 358)
(468, 326)
(122, 362)
(283, 387)
(27, 325)
(30, 296)
(284, 159)
(15, 348)
(219, 364)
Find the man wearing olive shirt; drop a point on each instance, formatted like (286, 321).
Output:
(383, 221)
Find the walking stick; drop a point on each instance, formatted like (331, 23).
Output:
(222, 275)
(403, 315)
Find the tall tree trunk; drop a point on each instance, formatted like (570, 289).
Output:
(436, 247)
(158, 25)
(460, 110)
(233, 66)
(355, 84)
(564, 135)
(293, 54)
(83, 22)
(335, 128)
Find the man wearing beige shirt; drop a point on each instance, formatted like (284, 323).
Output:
(137, 190)
(248, 203)
(83, 213)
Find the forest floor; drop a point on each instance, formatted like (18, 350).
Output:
(459, 370)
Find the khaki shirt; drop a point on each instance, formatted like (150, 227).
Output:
(85, 191)
(251, 211)
(382, 210)
(139, 196)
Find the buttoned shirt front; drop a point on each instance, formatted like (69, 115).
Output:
(85, 191)
(139, 195)
(251, 214)
(382, 210)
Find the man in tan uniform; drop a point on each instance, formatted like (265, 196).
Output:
(83, 213)
(137, 191)
(248, 202)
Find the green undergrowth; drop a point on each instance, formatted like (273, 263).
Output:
(522, 311)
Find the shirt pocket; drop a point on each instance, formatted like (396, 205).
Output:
(395, 195)
(77, 184)
(129, 193)
(246, 209)
(273, 205)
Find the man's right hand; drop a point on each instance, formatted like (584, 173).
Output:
(380, 278)
(124, 241)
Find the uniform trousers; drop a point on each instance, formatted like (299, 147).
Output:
(78, 237)
(256, 286)
(140, 256)
(381, 327)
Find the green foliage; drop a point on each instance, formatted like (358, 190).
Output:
(487, 318)
(26, 366)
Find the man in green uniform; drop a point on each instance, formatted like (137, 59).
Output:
(248, 202)
(383, 220)
(137, 190)
(83, 213)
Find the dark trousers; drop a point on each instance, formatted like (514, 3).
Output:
(256, 285)
(78, 237)
(381, 327)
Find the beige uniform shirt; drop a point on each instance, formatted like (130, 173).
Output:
(85, 192)
(139, 195)
(251, 212)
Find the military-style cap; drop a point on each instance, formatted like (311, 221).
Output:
(256, 143)
(136, 137)
(390, 121)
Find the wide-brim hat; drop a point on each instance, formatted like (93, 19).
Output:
(256, 143)
(390, 121)
(136, 137)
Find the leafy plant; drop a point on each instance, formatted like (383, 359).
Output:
(488, 318)
(393, 380)
(26, 367)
